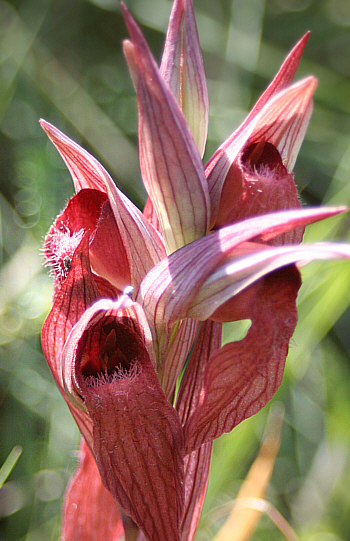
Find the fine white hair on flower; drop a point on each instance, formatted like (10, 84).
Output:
(59, 249)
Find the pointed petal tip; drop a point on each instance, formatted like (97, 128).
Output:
(128, 18)
(338, 210)
(53, 133)
(305, 86)
(310, 82)
(302, 42)
(129, 53)
(46, 126)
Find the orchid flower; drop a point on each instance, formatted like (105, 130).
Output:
(139, 298)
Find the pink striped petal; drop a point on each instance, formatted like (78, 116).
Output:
(241, 377)
(142, 244)
(171, 166)
(282, 122)
(169, 289)
(94, 176)
(239, 272)
(183, 70)
(281, 81)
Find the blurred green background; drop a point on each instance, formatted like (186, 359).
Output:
(61, 60)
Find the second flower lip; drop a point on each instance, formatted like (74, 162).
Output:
(101, 344)
(256, 181)
(107, 371)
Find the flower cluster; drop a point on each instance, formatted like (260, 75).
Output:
(133, 339)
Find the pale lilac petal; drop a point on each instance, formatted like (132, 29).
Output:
(171, 166)
(183, 70)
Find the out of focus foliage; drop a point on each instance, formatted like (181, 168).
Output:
(62, 60)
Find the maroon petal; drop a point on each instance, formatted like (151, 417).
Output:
(76, 294)
(138, 442)
(89, 511)
(243, 376)
(78, 291)
(80, 216)
(208, 341)
(105, 288)
(258, 183)
(107, 251)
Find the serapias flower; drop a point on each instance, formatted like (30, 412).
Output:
(139, 298)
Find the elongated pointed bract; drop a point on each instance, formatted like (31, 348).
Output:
(169, 290)
(133, 339)
(183, 71)
(170, 163)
